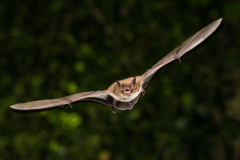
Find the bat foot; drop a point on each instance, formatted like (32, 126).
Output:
(143, 92)
(113, 109)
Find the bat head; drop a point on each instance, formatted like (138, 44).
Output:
(127, 88)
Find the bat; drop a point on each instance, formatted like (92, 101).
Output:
(124, 94)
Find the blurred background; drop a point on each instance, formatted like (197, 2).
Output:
(51, 49)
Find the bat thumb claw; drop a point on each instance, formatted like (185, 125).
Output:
(179, 60)
(70, 105)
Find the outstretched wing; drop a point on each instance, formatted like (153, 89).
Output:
(102, 97)
(189, 44)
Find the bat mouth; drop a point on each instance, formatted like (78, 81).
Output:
(127, 90)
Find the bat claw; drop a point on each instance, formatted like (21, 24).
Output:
(69, 103)
(179, 60)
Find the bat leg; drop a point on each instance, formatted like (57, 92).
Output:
(143, 92)
(113, 106)
(113, 109)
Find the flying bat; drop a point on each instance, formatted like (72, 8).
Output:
(124, 94)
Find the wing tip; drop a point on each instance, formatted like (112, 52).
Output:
(16, 106)
(217, 22)
(21, 106)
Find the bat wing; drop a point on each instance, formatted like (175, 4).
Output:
(189, 44)
(102, 97)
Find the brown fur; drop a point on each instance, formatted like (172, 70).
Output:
(125, 83)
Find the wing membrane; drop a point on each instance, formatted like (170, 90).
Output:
(95, 96)
(187, 45)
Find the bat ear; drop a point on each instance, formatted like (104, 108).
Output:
(133, 82)
(119, 85)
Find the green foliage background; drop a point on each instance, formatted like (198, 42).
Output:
(50, 49)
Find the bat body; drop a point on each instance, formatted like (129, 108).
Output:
(124, 94)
